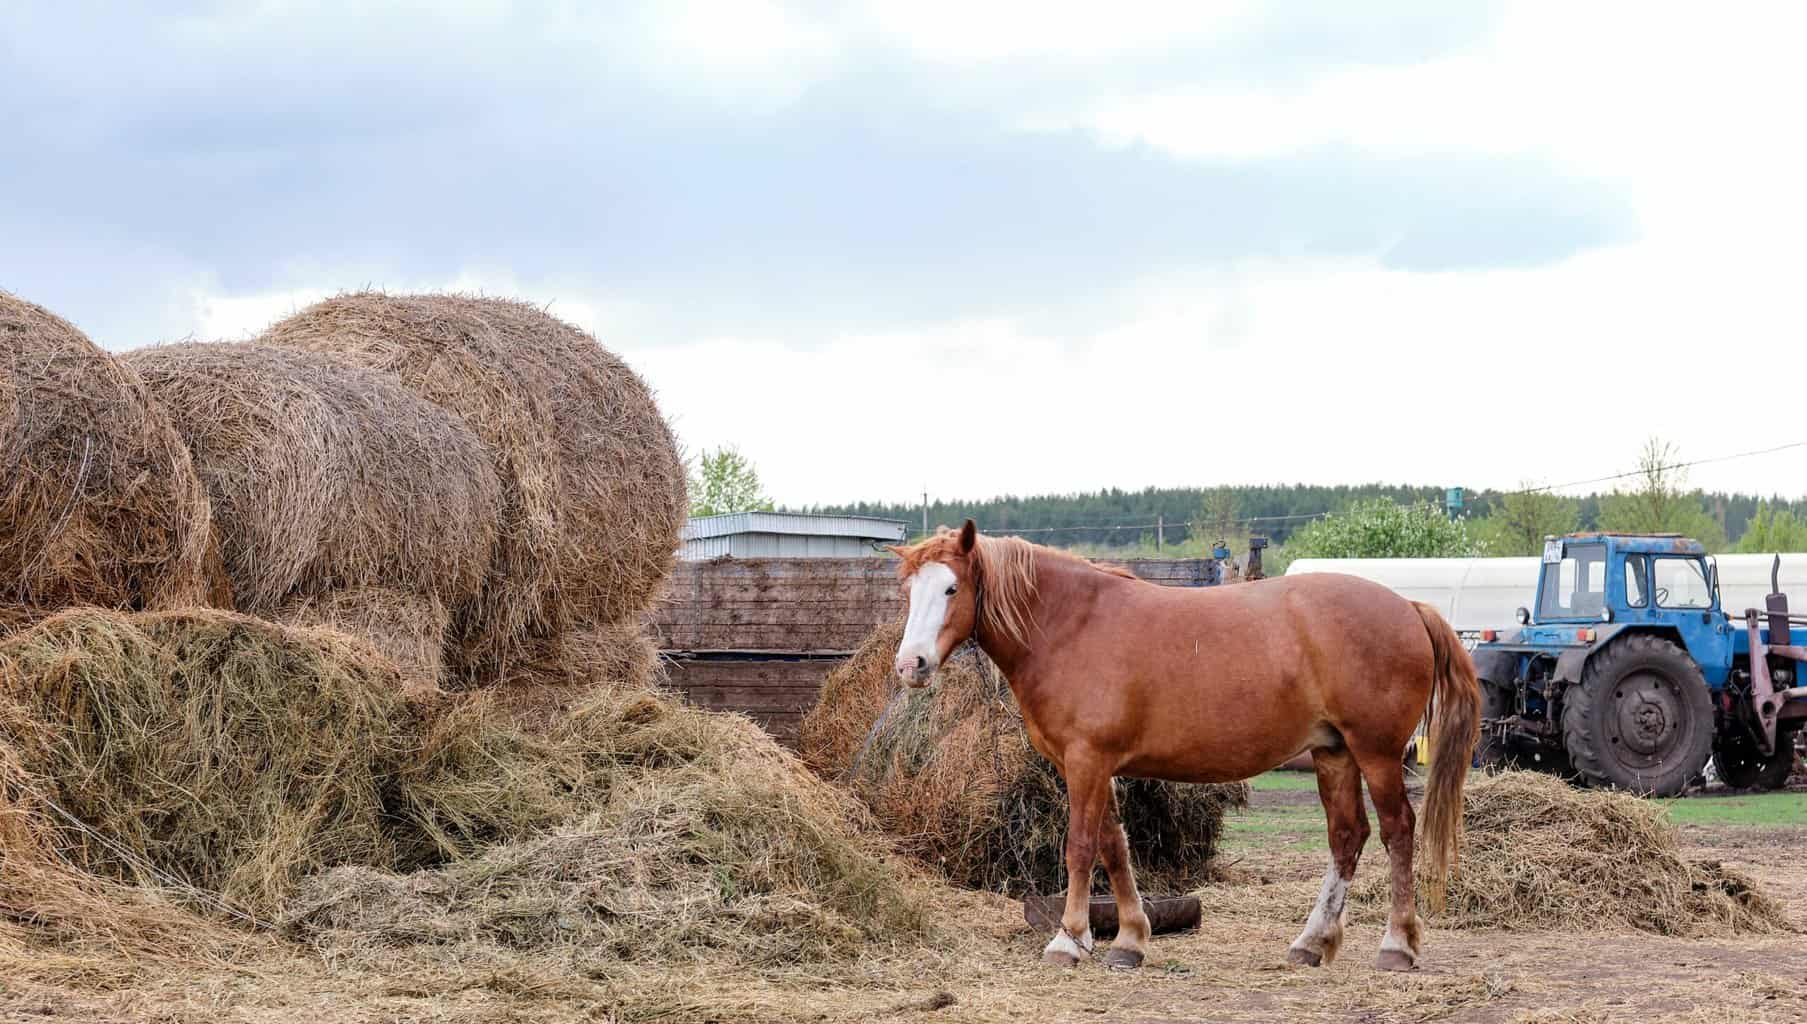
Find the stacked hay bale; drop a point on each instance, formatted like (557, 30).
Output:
(1539, 853)
(341, 499)
(949, 769)
(99, 503)
(593, 488)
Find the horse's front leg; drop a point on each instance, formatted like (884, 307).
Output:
(1088, 794)
(1131, 944)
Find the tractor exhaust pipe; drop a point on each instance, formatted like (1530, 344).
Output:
(1776, 604)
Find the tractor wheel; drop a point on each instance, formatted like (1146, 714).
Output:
(1740, 766)
(1641, 719)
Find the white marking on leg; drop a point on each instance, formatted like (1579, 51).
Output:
(1064, 943)
(1325, 925)
(1396, 942)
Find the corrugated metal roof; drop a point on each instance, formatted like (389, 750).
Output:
(865, 527)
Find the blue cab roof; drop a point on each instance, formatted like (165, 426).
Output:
(1643, 543)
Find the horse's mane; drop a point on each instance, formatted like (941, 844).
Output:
(1004, 569)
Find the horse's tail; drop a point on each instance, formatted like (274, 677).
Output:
(1452, 727)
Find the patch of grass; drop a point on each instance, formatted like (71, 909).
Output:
(1282, 782)
(1782, 810)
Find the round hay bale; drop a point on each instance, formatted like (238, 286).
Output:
(949, 770)
(410, 629)
(594, 487)
(623, 484)
(461, 364)
(1539, 853)
(340, 497)
(100, 503)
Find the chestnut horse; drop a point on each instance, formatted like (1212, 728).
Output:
(1119, 677)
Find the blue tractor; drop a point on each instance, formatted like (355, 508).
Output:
(1626, 673)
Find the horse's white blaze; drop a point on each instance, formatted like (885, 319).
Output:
(1326, 920)
(928, 613)
(1063, 943)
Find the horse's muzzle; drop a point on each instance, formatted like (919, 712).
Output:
(914, 669)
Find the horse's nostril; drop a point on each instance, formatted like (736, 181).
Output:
(921, 663)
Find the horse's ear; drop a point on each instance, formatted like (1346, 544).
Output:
(895, 549)
(969, 536)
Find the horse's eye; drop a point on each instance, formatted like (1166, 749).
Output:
(950, 590)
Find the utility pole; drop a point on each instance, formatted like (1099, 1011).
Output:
(925, 510)
(1160, 531)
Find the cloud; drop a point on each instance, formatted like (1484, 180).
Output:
(1168, 242)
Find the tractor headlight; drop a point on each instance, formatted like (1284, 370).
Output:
(1606, 615)
(1524, 616)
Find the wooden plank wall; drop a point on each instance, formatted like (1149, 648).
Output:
(815, 604)
(759, 635)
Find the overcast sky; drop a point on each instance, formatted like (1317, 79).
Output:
(983, 246)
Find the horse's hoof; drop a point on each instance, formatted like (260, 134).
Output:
(1304, 957)
(1059, 958)
(1122, 959)
(1394, 960)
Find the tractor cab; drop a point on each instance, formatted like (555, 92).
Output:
(1593, 586)
(1625, 671)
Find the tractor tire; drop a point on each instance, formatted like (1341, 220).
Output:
(1740, 766)
(1641, 719)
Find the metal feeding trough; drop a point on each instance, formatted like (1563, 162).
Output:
(1165, 913)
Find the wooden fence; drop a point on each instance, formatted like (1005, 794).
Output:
(759, 635)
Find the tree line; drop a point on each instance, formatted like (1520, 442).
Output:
(1375, 520)
(1323, 521)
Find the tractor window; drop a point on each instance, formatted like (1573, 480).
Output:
(1634, 581)
(1574, 588)
(1680, 583)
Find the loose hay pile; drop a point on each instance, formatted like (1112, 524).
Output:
(950, 771)
(703, 858)
(340, 498)
(593, 490)
(1539, 853)
(99, 503)
(214, 751)
(208, 760)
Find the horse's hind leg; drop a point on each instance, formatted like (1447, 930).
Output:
(1131, 944)
(1340, 791)
(1386, 785)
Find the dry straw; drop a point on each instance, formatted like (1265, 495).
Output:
(950, 771)
(340, 498)
(208, 760)
(1539, 853)
(592, 485)
(99, 503)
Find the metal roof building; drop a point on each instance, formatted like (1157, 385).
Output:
(787, 535)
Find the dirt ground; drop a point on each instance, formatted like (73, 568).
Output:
(1233, 969)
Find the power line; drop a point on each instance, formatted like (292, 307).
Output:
(1668, 466)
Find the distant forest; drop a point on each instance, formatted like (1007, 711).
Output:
(1119, 518)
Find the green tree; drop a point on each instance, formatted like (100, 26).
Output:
(1216, 516)
(725, 481)
(1659, 501)
(1773, 530)
(1382, 529)
(1523, 518)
